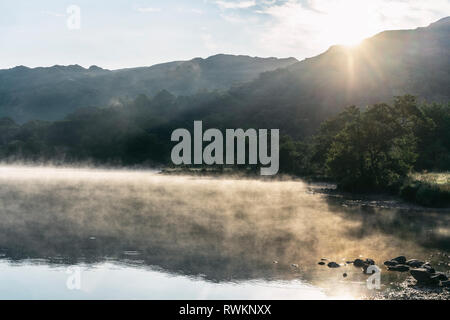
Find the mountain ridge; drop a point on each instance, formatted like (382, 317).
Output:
(50, 93)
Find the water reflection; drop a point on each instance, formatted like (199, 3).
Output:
(218, 230)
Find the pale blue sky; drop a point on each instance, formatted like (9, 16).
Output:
(118, 33)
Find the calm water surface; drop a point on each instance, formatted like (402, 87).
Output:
(143, 235)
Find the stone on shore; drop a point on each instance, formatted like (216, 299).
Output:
(399, 268)
(400, 259)
(414, 263)
(359, 263)
(439, 276)
(423, 276)
(390, 263)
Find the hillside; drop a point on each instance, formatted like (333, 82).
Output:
(52, 93)
(296, 99)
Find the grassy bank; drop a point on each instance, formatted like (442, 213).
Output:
(427, 189)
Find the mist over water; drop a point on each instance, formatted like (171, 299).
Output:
(214, 230)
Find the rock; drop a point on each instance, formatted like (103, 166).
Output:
(333, 265)
(275, 261)
(344, 275)
(423, 276)
(400, 259)
(321, 263)
(429, 268)
(349, 262)
(359, 263)
(324, 259)
(414, 263)
(369, 262)
(399, 268)
(439, 276)
(446, 283)
(390, 263)
(294, 265)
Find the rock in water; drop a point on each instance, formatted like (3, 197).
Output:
(369, 262)
(414, 263)
(423, 276)
(333, 265)
(359, 263)
(429, 268)
(400, 259)
(439, 276)
(399, 268)
(390, 263)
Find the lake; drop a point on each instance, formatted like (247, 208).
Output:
(135, 234)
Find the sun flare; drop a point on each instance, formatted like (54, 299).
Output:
(348, 23)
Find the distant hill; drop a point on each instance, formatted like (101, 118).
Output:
(297, 98)
(52, 93)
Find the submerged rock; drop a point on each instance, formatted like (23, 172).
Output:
(333, 265)
(399, 268)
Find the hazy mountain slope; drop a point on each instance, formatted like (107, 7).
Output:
(51, 93)
(297, 98)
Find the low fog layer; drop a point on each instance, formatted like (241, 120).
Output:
(223, 229)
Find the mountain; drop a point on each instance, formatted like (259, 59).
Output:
(51, 93)
(298, 98)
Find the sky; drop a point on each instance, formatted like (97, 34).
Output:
(116, 34)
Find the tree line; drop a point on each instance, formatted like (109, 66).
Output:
(362, 149)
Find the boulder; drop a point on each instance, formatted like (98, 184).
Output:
(423, 276)
(369, 262)
(446, 283)
(333, 265)
(400, 259)
(390, 263)
(414, 263)
(429, 268)
(399, 268)
(359, 263)
(439, 276)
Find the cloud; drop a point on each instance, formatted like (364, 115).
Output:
(148, 10)
(236, 4)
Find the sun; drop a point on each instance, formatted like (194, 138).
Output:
(349, 23)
